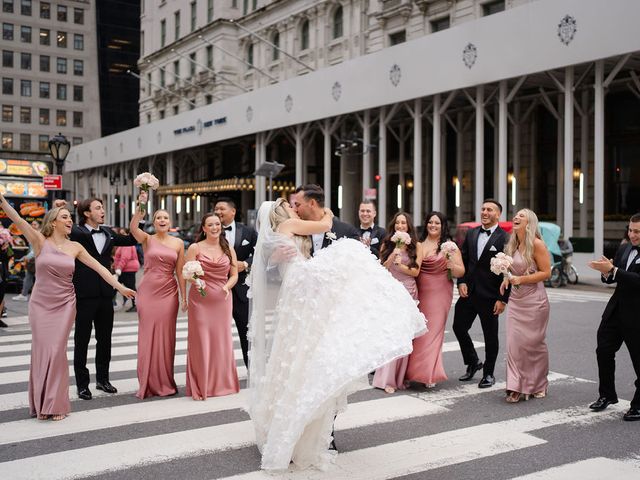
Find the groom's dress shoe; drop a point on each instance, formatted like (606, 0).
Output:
(106, 387)
(602, 403)
(471, 371)
(487, 381)
(632, 415)
(84, 393)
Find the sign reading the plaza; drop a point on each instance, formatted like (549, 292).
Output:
(200, 125)
(23, 168)
(52, 182)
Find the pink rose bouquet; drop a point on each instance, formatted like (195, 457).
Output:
(146, 181)
(193, 271)
(448, 248)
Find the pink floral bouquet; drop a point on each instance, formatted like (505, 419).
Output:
(193, 271)
(401, 238)
(146, 181)
(448, 248)
(501, 265)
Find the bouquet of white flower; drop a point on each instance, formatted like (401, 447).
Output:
(448, 248)
(193, 271)
(401, 238)
(146, 181)
(501, 264)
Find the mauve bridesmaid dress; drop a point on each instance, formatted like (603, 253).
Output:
(211, 364)
(393, 373)
(52, 311)
(527, 319)
(157, 302)
(435, 292)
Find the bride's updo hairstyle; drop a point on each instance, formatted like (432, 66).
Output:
(278, 215)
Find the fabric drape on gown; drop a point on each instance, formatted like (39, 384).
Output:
(435, 292)
(393, 373)
(52, 311)
(157, 312)
(527, 319)
(211, 364)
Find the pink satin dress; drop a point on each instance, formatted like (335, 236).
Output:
(157, 302)
(211, 364)
(393, 373)
(435, 292)
(527, 320)
(52, 311)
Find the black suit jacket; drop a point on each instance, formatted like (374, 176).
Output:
(341, 230)
(625, 298)
(481, 282)
(377, 234)
(87, 282)
(245, 243)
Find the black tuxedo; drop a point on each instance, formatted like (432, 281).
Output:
(94, 305)
(375, 242)
(484, 290)
(244, 245)
(620, 324)
(341, 230)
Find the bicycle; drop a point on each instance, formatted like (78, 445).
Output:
(563, 272)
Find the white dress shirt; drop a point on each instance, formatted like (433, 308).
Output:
(230, 234)
(632, 256)
(483, 239)
(318, 240)
(99, 239)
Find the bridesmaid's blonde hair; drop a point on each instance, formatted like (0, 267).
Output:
(278, 215)
(49, 218)
(531, 232)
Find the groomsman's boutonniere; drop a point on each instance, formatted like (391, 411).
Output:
(331, 236)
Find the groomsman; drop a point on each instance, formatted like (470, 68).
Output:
(243, 240)
(370, 234)
(620, 320)
(480, 293)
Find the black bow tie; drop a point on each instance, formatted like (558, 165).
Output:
(93, 232)
(488, 232)
(370, 229)
(227, 229)
(636, 248)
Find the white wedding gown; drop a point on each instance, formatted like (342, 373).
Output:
(336, 317)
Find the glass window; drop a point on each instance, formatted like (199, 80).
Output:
(45, 63)
(397, 37)
(62, 13)
(192, 65)
(78, 93)
(163, 32)
(161, 113)
(25, 34)
(45, 10)
(209, 11)
(162, 78)
(7, 86)
(208, 99)
(493, 7)
(61, 65)
(440, 24)
(304, 35)
(275, 54)
(25, 141)
(78, 16)
(25, 61)
(25, 88)
(7, 141)
(45, 36)
(61, 39)
(44, 116)
(7, 6)
(7, 58)
(61, 118)
(61, 91)
(210, 57)
(77, 119)
(337, 23)
(25, 7)
(176, 110)
(76, 141)
(43, 143)
(7, 31)
(194, 9)
(148, 84)
(176, 22)
(45, 88)
(7, 113)
(78, 67)
(176, 70)
(250, 55)
(25, 114)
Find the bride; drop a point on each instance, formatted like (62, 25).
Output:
(317, 326)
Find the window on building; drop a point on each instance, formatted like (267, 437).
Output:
(254, 4)
(25, 142)
(192, 64)
(245, 7)
(25, 34)
(7, 86)
(163, 79)
(176, 23)
(7, 59)
(208, 99)
(163, 33)
(176, 110)
(7, 6)
(43, 143)
(148, 118)
(7, 141)
(61, 91)
(61, 65)
(45, 89)
(61, 39)
(209, 11)
(78, 67)
(76, 141)
(210, 57)
(397, 37)
(7, 31)
(25, 114)
(493, 7)
(338, 24)
(45, 63)
(78, 93)
(142, 43)
(234, 3)
(61, 118)
(78, 41)
(194, 9)
(161, 114)
(275, 53)
(148, 84)
(176, 71)
(25, 7)
(45, 10)
(304, 35)
(25, 88)
(250, 55)
(7, 113)
(440, 24)
(44, 116)
(45, 36)
(77, 119)
(25, 61)
(62, 13)
(78, 16)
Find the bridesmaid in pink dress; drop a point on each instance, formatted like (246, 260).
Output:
(158, 305)
(52, 308)
(528, 311)
(211, 364)
(404, 265)
(435, 292)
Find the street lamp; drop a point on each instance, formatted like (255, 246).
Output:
(59, 147)
(270, 170)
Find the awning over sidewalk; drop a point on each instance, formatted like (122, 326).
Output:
(223, 185)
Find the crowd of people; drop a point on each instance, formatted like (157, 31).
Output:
(289, 286)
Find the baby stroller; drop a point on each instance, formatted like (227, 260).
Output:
(562, 270)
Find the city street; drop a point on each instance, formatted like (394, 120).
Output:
(452, 431)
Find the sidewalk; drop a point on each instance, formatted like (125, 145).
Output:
(588, 277)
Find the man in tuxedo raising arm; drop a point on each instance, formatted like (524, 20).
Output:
(620, 321)
(480, 293)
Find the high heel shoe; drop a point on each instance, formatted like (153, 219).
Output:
(515, 397)
(541, 394)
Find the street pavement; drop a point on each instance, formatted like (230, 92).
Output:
(453, 431)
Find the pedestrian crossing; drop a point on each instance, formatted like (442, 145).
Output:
(421, 432)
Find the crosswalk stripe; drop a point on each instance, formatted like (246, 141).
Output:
(591, 469)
